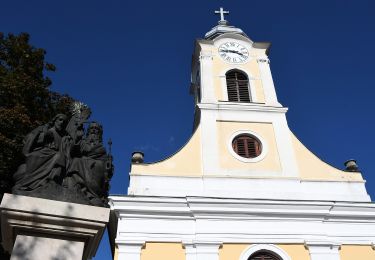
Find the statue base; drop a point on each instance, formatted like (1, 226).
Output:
(35, 228)
(57, 192)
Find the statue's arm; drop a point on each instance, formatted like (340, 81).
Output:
(84, 146)
(35, 139)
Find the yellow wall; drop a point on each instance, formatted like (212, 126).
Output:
(296, 252)
(186, 162)
(115, 255)
(163, 251)
(312, 168)
(354, 252)
(265, 130)
(234, 251)
(175, 251)
(231, 251)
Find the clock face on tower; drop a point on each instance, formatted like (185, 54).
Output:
(233, 52)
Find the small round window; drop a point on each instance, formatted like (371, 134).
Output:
(247, 146)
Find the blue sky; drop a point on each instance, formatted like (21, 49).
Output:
(130, 62)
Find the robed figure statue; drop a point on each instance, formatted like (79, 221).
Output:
(63, 163)
(91, 166)
(45, 151)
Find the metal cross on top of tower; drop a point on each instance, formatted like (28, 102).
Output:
(222, 13)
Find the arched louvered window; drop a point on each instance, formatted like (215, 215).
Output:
(237, 86)
(247, 146)
(264, 255)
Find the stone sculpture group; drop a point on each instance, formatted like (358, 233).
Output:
(66, 162)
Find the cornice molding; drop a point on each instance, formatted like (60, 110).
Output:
(206, 55)
(263, 60)
(241, 107)
(200, 221)
(201, 207)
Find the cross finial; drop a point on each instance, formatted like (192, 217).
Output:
(222, 13)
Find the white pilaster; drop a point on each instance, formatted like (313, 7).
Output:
(207, 250)
(224, 89)
(268, 85)
(190, 251)
(130, 250)
(323, 250)
(285, 147)
(210, 150)
(207, 86)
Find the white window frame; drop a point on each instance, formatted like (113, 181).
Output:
(260, 157)
(224, 87)
(268, 247)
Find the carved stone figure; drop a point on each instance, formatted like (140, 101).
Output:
(62, 163)
(45, 151)
(91, 167)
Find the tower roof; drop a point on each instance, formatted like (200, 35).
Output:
(223, 27)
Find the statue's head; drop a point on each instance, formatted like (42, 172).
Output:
(59, 122)
(95, 129)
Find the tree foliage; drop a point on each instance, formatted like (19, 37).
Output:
(26, 100)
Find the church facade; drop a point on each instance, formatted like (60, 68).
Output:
(243, 187)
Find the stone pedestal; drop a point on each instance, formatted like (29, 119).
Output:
(34, 228)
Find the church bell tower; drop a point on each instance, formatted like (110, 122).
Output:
(243, 126)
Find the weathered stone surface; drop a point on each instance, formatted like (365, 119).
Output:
(35, 247)
(29, 224)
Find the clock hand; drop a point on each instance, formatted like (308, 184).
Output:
(228, 51)
(239, 53)
(232, 51)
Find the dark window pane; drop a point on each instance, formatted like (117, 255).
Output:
(237, 86)
(247, 146)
